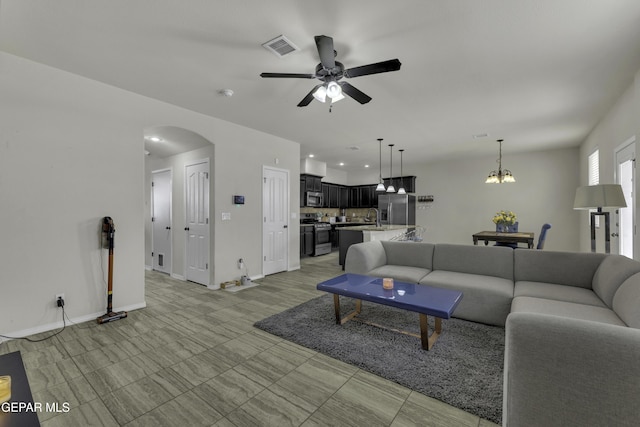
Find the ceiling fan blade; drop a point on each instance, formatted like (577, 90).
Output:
(288, 75)
(356, 94)
(307, 99)
(378, 67)
(325, 50)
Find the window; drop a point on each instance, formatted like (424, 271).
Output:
(594, 177)
(594, 168)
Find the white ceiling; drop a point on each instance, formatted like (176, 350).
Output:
(538, 73)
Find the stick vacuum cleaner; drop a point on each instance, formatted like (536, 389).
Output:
(109, 230)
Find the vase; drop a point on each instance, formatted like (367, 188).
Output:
(507, 228)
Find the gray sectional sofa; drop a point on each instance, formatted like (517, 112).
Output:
(572, 336)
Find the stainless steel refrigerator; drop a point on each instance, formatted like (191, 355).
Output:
(397, 209)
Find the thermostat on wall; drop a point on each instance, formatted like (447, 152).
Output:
(238, 200)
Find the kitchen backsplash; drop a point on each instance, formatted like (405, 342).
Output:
(352, 215)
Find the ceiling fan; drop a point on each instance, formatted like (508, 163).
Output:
(330, 71)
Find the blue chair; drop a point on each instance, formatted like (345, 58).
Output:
(543, 236)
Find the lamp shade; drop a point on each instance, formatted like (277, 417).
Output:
(599, 196)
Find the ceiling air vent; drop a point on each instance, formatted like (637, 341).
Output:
(280, 46)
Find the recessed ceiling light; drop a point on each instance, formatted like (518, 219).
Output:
(311, 155)
(155, 139)
(366, 166)
(341, 164)
(226, 92)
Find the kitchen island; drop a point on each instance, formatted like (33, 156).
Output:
(352, 234)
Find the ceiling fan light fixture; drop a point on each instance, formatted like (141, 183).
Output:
(320, 94)
(334, 91)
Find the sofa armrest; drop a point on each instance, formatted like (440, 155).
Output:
(567, 372)
(364, 257)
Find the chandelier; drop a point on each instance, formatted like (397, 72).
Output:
(500, 176)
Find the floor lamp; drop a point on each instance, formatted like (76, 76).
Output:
(598, 197)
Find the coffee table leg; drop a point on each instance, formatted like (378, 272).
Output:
(336, 305)
(429, 340)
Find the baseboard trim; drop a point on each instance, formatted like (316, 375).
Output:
(178, 277)
(59, 324)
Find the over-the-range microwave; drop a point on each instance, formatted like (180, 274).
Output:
(313, 199)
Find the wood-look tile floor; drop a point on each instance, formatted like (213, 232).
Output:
(193, 358)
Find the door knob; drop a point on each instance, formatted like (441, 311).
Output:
(186, 229)
(285, 226)
(614, 234)
(168, 228)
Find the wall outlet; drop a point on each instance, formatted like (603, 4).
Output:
(58, 296)
(240, 263)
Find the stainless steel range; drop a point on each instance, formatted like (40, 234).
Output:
(322, 238)
(321, 233)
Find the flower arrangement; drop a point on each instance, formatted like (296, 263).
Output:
(504, 218)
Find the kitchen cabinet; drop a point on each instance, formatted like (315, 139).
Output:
(343, 196)
(312, 183)
(408, 181)
(363, 196)
(306, 240)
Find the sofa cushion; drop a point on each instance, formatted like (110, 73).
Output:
(563, 268)
(364, 257)
(613, 270)
(400, 272)
(481, 260)
(412, 254)
(485, 299)
(558, 293)
(565, 309)
(626, 301)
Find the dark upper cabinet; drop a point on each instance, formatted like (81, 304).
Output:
(343, 197)
(325, 195)
(312, 183)
(334, 200)
(409, 183)
(363, 196)
(354, 197)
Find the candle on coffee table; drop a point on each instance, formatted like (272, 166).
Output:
(5, 388)
(387, 283)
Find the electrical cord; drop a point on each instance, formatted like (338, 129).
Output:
(64, 325)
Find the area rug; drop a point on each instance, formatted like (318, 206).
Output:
(464, 367)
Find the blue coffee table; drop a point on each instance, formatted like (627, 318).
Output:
(422, 299)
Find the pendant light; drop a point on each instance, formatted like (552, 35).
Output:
(500, 176)
(380, 186)
(401, 190)
(391, 188)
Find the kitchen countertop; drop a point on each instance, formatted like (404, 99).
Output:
(372, 227)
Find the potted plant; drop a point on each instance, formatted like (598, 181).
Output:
(506, 222)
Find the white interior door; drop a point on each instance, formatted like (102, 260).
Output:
(275, 226)
(161, 220)
(197, 228)
(623, 227)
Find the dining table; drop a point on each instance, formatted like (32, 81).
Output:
(494, 236)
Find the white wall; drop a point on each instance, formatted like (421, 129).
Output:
(71, 152)
(68, 157)
(543, 192)
(620, 124)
